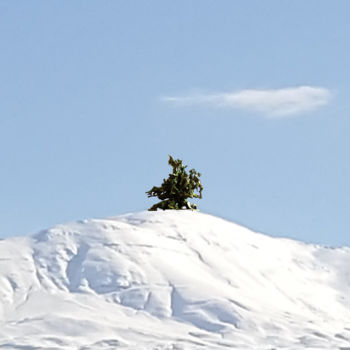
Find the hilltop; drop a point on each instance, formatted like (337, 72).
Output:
(170, 280)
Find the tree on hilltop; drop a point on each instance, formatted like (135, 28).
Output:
(177, 188)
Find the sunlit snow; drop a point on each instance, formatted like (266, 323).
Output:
(171, 280)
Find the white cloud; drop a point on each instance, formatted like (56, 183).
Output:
(271, 102)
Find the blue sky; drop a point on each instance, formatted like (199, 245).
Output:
(94, 95)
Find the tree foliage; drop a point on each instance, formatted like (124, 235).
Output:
(179, 186)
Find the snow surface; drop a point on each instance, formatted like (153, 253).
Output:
(171, 280)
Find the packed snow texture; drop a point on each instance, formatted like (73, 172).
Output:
(171, 280)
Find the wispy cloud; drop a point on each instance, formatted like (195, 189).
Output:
(272, 102)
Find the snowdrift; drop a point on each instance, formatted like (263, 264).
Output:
(171, 280)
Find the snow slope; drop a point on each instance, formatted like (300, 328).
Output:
(169, 281)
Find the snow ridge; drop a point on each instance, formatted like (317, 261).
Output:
(171, 280)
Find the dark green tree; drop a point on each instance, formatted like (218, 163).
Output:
(179, 186)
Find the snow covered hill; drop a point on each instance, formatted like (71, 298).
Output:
(169, 281)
